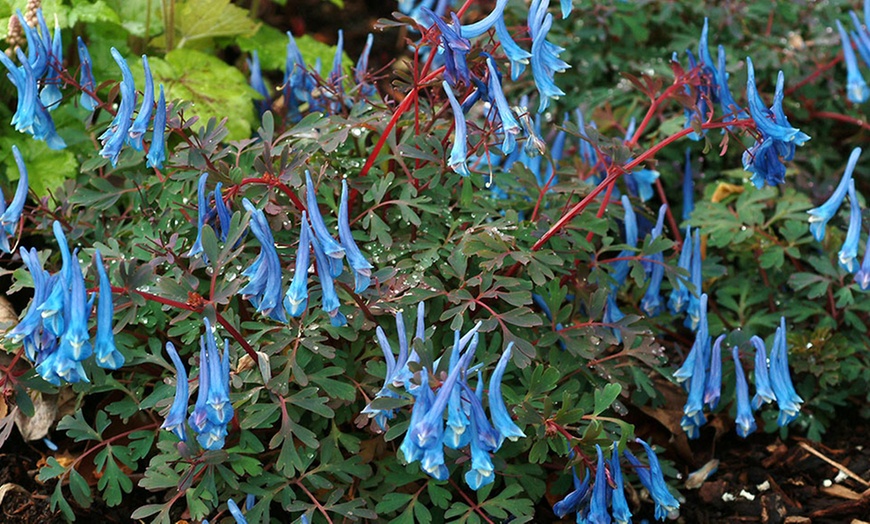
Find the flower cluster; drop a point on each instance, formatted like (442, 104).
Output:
(54, 329)
(819, 217)
(10, 215)
(467, 423)
(701, 374)
(856, 88)
(264, 288)
(590, 500)
(39, 67)
(212, 411)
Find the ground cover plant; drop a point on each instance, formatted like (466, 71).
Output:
(496, 261)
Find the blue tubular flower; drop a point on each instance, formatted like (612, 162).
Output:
(485, 24)
(213, 410)
(54, 305)
(264, 288)
(509, 124)
(257, 84)
(574, 500)
(708, 67)
(223, 213)
(422, 405)
(177, 415)
(695, 401)
(50, 96)
(86, 78)
(763, 391)
(366, 89)
(658, 489)
(848, 255)
(296, 299)
(518, 56)
(545, 56)
(140, 125)
(688, 187)
(787, 399)
(32, 320)
(455, 46)
(745, 421)
(459, 151)
(482, 471)
(107, 355)
(713, 388)
(113, 138)
(645, 179)
(856, 87)
(861, 38)
(332, 249)
(236, 512)
(651, 301)
(679, 298)
(362, 268)
(202, 212)
(763, 117)
(501, 418)
(819, 216)
(455, 434)
(11, 215)
(157, 149)
(336, 76)
(567, 7)
(598, 503)
(694, 308)
(730, 108)
(621, 512)
(862, 277)
(328, 297)
(699, 348)
(296, 80)
(78, 310)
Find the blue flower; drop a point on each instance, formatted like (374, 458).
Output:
(107, 355)
(455, 47)
(861, 38)
(459, 151)
(264, 287)
(264, 102)
(78, 311)
(53, 306)
(587, 151)
(31, 325)
(236, 512)
(819, 216)
(765, 120)
(856, 88)
(621, 268)
(501, 418)
(745, 421)
(297, 81)
(296, 298)
(545, 55)
(50, 96)
(849, 253)
(730, 108)
(140, 124)
(423, 400)
(332, 249)
(362, 268)
(708, 68)
(655, 483)
(862, 277)
(157, 149)
(780, 379)
(486, 23)
(651, 301)
(481, 441)
(510, 126)
(697, 383)
(202, 212)
(713, 388)
(114, 137)
(699, 348)
(397, 368)
(212, 410)
(679, 298)
(336, 76)
(366, 89)
(518, 56)
(177, 415)
(598, 502)
(455, 434)
(329, 301)
(688, 187)
(11, 215)
(86, 79)
(763, 391)
(223, 213)
(621, 512)
(574, 500)
(693, 311)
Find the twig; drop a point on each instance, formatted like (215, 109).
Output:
(834, 463)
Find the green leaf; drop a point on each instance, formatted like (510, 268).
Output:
(79, 488)
(199, 19)
(216, 89)
(605, 397)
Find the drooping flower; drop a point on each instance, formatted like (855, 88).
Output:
(329, 300)
(693, 311)
(651, 301)
(819, 216)
(598, 502)
(856, 88)
(763, 391)
(486, 23)
(713, 388)
(332, 249)
(862, 277)
(264, 102)
(574, 500)
(177, 415)
(236, 512)
(296, 299)
(361, 267)
(107, 355)
(518, 56)
(202, 212)
(10, 215)
(213, 410)
(501, 419)
(455, 46)
(619, 504)
(655, 483)
(745, 421)
(679, 297)
(545, 55)
(848, 255)
(366, 89)
(459, 151)
(140, 124)
(730, 108)
(50, 96)
(223, 213)
(510, 126)
(86, 78)
(780, 379)
(114, 137)
(157, 149)
(264, 288)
